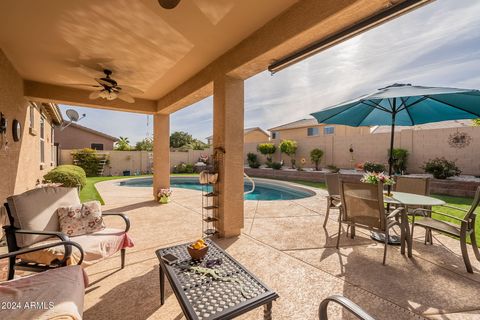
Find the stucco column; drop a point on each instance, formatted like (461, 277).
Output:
(228, 136)
(161, 152)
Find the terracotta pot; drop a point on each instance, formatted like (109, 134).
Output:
(197, 254)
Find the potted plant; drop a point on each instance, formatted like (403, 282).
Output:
(316, 155)
(164, 196)
(267, 149)
(375, 178)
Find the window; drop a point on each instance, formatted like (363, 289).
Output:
(275, 135)
(42, 139)
(329, 130)
(97, 146)
(312, 132)
(32, 116)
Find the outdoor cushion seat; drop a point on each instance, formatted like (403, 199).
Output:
(34, 221)
(96, 246)
(57, 294)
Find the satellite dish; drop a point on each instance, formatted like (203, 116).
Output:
(72, 115)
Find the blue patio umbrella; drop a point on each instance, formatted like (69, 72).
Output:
(404, 105)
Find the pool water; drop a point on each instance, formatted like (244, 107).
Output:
(265, 190)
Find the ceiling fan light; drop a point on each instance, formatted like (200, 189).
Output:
(103, 94)
(111, 95)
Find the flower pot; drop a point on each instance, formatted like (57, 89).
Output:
(197, 254)
(164, 200)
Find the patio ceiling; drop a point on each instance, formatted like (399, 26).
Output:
(172, 55)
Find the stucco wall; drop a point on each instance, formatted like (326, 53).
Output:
(255, 136)
(138, 161)
(76, 138)
(421, 144)
(20, 164)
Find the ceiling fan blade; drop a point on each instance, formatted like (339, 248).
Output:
(125, 97)
(94, 95)
(104, 83)
(168, 4)
(131, 90)
(84, 85)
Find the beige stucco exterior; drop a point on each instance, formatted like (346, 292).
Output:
(20, 165)
(78, 137)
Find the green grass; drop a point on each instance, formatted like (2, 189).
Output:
(459, 202)
(90, 192)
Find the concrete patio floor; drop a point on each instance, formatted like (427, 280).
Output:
(285, 245)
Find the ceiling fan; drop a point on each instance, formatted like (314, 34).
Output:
(168, 4)
(109, 89)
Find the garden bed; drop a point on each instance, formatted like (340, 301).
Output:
(453, 186)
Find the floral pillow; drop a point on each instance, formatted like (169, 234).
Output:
(81, 219)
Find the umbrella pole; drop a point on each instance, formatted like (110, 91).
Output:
(392, 137)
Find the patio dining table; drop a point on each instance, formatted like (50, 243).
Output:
(406, 200)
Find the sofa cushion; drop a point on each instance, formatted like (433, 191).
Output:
(36, 210)
(57, 294)
(81, 219)
(96, 246)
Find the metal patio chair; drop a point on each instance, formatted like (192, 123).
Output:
(363, 207)
(462, 230)
(344, 302)
(332, 181)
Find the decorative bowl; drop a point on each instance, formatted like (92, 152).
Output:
(197, 254)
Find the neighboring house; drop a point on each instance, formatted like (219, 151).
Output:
(23, 163)
(250, 135)
(75, 136)
(423, 142)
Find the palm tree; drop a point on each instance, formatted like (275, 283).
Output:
(123, 144)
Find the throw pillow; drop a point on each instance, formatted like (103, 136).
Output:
(81, 219)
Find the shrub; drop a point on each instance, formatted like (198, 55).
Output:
(89, 160)
(441, 168)
(184, 168)
(68, 175)
(400, 160)
(252, 160)
(267, 149)
(373, 167)
(316, 155)
(289, 147)
(333, 168)
(276, 165)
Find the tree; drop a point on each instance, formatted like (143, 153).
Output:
(267, 149)
(123, 144)
(289, 147)
(198, 145)
(144, 145)
(316, 155)
(179, 138)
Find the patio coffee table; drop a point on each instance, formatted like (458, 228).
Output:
(203, 297)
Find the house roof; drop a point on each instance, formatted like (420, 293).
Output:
(247, 130)
(296, 124)
(54, 112)
(426, 126)
(75, 125)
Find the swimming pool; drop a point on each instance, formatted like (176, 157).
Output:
(265, 190)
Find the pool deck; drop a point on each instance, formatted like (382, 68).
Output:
(284, 244)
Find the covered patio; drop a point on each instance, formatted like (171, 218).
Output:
(284, 244)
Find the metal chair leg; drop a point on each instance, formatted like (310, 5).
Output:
(122, 257)
(326, 216)
(474, 245)
(11, 267)
(339, 232)
(387, 236)
(463, 246)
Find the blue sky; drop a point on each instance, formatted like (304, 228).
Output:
(437, 45)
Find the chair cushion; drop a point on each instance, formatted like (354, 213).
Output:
(442, 226)
(36, 210)
(81, 219)
(96, 246)
(60, 293)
